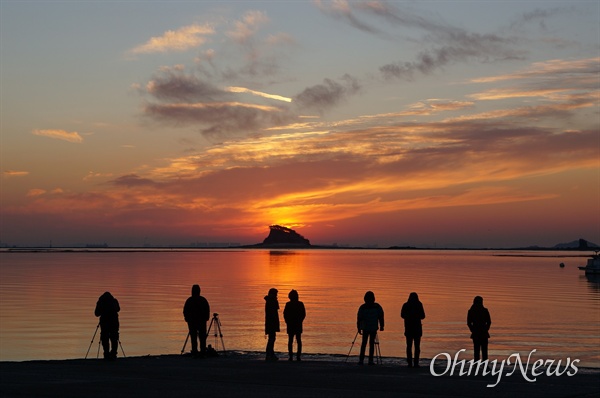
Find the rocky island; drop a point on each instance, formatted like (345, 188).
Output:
(283, 237)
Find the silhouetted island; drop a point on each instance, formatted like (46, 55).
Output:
(283, 237)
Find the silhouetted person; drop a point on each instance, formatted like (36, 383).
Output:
(368, 320)
(479, 321)
(412, 312)
(196, 312)
(294, 314)
(271, 322)
(107, 308)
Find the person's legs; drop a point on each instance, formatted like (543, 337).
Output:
(299, 342)
(417, 341)
(484, 349)
(291, 346)
(203, 336)
(363, 346)
(372, 336)
(409, 342)
(271, 345)
(105, 339)
(476, 349)
(193, 338)
(114, 341)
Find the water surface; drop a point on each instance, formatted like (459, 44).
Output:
(47, 299)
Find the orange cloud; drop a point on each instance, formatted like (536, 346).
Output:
(14, 173)
(176, 40)
(60, 135)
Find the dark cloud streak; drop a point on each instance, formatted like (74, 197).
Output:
(450, 44)
(327, 94)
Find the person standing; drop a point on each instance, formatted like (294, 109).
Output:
(412, 312)
(368, 320)
(196, 312)
(294, 314)
(271, 323)
(107, 308)
(479, 322)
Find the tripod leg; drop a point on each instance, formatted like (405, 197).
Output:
(221, 335)
(185, 343)
(92, 342)
(121, 345)
(350, 350)
(378, 349)
(209, 327)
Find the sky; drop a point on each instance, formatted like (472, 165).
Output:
(364, 123)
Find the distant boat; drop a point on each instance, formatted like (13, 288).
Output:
(593, 265)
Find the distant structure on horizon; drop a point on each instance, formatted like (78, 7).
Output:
(580, 244)
(282, 236)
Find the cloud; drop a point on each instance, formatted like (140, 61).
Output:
(133, 180)
(448, 44)
(327, 94)
(342, 10)
(258, 93)
(182, 39)
(36, 192)
(558, 71)
(93, 175)
(14, 173)
(60, 135)
(186, 99)
(173, 84)
(246, 28)
(222, 118)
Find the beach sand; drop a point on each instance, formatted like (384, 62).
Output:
(248, 375)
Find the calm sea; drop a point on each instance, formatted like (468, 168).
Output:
(47, 299)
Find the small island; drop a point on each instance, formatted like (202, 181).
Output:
(283, 237)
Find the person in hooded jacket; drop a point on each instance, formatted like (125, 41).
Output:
(271, 322)
(196, 312)
(412, 312)
(479, 322)
(368, 320)
(107, 308)
(294, 314)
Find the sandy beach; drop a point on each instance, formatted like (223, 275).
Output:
(248, 375)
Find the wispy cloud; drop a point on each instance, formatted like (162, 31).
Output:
(330, 93)
(245, 29)
(36, 192)
(60, 135)
(258, 93)
(14, 173)
(447, 44)
(182, 39)
(185, 98)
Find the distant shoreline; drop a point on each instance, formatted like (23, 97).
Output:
(568, 252)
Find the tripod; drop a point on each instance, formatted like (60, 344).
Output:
(215, 321)
(376, 344)
(100, 342)
(217, 333)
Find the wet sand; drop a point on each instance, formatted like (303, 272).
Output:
(248, 375)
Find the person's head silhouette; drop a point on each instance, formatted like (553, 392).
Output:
(293, 295)
(196, 290)
(369, 297)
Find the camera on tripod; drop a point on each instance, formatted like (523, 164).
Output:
(215, 324)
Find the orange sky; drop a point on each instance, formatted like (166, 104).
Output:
(386, 124)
